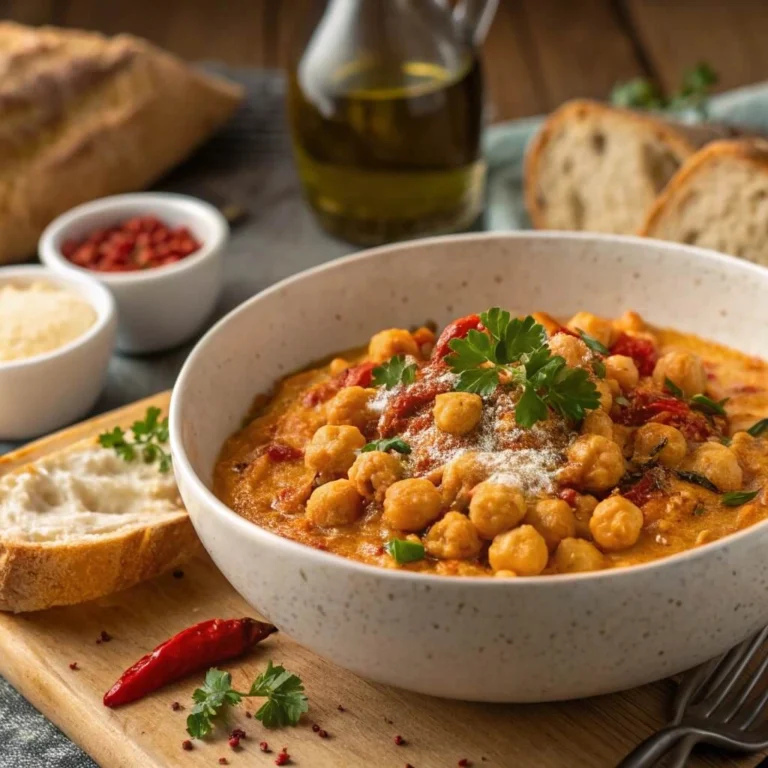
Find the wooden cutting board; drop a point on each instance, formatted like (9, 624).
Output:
(36, 651)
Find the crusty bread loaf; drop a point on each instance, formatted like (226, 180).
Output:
(599, 168)
(83, 116)
(718, 200)
(81, 523)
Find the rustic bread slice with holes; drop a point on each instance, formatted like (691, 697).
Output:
(718, 200)
(598, 168)
(81, 523)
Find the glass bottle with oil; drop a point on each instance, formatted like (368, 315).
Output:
(386, 114)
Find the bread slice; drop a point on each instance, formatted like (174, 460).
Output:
(83, 116)
(81, 523)
(599, 168)
(718, 200)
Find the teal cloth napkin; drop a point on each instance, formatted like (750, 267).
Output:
(505, 145)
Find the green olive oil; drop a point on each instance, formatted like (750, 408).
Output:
(389, 153)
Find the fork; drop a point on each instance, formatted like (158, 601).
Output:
(713, 705)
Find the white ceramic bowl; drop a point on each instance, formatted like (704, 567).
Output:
(157, 308)
(42, 393)
(531, 639)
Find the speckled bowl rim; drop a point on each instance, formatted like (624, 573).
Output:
(181, 462)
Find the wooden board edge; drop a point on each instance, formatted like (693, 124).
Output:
(81, 431)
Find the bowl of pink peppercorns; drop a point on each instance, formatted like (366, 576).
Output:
(160, 254)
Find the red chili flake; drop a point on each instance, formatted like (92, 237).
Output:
(223, 761)
(642, 351)
(399, 740)
(358, 376)
(282, 759)
(186, 745)
(279, 452)
(73, 666)
(569, 496)
(315, 727)
(408, 765)
(143, 242)
(234, 742)
(248, 715)
(178, 574)
(322, 733)
(264, 747)
(175, 706)
(463, 763)
(237, 733)
(341, 709)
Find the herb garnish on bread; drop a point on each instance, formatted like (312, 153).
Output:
(83, 522)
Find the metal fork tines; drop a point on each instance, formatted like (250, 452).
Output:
(714, 704)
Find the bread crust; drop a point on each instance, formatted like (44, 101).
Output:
(683, 139)
(141, 112)
(750, 150)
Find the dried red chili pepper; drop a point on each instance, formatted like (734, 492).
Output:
(280, 452)
(458, 329)
(358, 376)
(199, 647)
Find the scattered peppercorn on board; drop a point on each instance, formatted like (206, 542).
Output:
(59, 659)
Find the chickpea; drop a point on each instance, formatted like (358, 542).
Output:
(522, 550)
(460, 476)
(351, 405)
(629, 321)
(553, 519)
(606, 398)
(373, 472)
(683, 369)
(582, 513)
(577, 556)
(332, 449)
(334, 504)
(457, 412)
(411, 505)
(597, 327)
(597, 423)
(453, 538)
(574, 351)
(496, 508)
(596, 462)
(719, 465)
(649, 437)
(337, 366)
(616, 523)
(395, 341)
(623, 370)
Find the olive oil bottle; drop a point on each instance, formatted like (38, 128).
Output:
(386, 112)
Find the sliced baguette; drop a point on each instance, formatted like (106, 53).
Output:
(82, 523)
(718, 200)
(83, 116)
(599, 168)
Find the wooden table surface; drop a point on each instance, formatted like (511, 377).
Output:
(538, 53)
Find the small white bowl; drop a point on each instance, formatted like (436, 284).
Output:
(157, 308)
(42, 393)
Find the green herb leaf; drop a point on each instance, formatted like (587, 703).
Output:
(737, 498)
(481, 381)
(699, 510)
(284, 693)
(530, 408)
(286, 700)
(672, 388)
(593, 343)
(387, 444)
(403, 551)
(707, 405)
(697, 479)
(725, 440)
(638, 93)
(521, 337)
(598, 368)
(569, 391)
(758, 428)
(395, 371)
(470, 352)
(148, 438)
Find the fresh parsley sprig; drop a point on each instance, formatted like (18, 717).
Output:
(395, 371)
(285, 703)
(149, 437)
(594, 344)
(515, 351)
